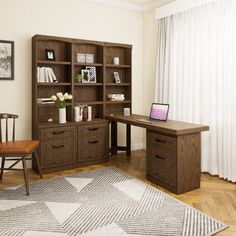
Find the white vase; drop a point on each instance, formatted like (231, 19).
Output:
(62, 115)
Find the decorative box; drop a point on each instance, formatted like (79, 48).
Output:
(89, 58)
(80, 57)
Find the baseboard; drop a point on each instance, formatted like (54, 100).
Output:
(138, 146)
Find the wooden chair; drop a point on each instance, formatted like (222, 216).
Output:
(16, 150)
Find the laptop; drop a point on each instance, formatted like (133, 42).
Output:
(158, 113)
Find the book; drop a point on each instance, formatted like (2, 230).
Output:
(46, 75)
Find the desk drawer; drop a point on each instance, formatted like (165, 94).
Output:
(93, 143)
(161, 164)
(57, 146)
(57, 152)
(57, 132)
(161, 141)
(95, 129)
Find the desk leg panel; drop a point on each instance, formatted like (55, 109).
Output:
(113, 138)
(128, 140)
(188, 162)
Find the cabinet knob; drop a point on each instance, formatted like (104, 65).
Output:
(58, 132)
(160, 141)
(160, 157)
(93, 142)
(92, 129)
(59, 146)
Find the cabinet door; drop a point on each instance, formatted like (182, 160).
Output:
(93, 143)
(58, 146)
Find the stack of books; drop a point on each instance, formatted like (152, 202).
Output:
(116, 97)
(45, 101)
(46, 75)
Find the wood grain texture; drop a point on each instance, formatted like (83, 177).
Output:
(188, 162)
(215, 197)
(170, 127)
(66, 67)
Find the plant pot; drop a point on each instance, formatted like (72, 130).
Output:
(62, 115)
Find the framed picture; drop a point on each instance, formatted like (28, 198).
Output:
(92, 74)
(50, 54)
(116, 77)
(85, 76)
(6, 60)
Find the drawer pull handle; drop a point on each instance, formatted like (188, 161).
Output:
(60, 146)
(160, 141)
(93, 142)
(92, 129)
(58, 132)
(160, 157)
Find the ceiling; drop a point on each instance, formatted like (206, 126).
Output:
(134, 5)
(139, 2)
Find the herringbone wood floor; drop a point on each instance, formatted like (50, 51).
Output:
(216, 197)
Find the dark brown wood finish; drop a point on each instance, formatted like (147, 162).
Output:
(75, 147)
(173, 151)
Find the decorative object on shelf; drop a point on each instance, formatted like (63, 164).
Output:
(116, 77)
(126, 111)
(61, 100)
(89, 113)
(85, 113)
(92, 74)
(46, 75)
(50, 54)
(6, 60)
(116, 60)
(78, 78)
(85, 76)
(78, 113)
(50, 120)
(89, 58)
(80, 57)
(116, 97)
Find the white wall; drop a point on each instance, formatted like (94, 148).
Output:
(20, 20)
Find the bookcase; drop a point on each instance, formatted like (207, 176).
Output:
(75, 144)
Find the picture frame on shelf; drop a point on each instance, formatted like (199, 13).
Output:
(116, 77)
(92, 74)
(85, 76)
(50, 54)
(6, 60)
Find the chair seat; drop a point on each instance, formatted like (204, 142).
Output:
(18, 147)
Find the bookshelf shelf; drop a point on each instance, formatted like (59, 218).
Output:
(118, 66)
(118, 84)
(53, 84)
(40, 62)
(88, 64)
(88, 84)
(118, 102)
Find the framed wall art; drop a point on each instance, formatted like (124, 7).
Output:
(6, 60)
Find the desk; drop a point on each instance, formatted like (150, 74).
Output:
(173, 151)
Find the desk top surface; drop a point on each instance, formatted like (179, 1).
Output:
(169, 127)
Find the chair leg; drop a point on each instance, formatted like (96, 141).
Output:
(38, 164)
(25, 175)
(2, 167)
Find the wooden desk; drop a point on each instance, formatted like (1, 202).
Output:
(173, 151)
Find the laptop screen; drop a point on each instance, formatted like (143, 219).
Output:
(159, 111)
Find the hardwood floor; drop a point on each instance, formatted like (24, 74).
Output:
(216, 197)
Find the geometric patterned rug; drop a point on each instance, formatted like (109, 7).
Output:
(100, 202)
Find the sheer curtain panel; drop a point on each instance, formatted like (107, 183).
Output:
(196, 75)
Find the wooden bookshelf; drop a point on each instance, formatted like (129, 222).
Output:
(66, 67)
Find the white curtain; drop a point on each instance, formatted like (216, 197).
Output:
(196, 75)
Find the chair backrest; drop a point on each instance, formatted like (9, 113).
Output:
(5, 116)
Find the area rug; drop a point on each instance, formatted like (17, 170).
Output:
(101, 202)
